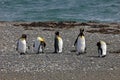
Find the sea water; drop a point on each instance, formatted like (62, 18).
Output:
(60, 10)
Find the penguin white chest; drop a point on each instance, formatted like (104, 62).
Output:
(37, 46)
(60, 44)
(81, 44)
(22, 46)
(104, 48)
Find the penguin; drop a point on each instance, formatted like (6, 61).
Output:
(58, 43)
(39, 45)
(102, 48)
(80, 43)
(21, 44)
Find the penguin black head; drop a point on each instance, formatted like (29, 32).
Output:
(81, 32)
(24, 36)
(57, 33)
(98, 44)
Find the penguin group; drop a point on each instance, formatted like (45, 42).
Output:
(79, 44)
(39, 45)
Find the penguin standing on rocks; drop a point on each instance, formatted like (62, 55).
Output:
(21, 44)
(102, 48)
(58, 43)
(80, 43)
(39, 45)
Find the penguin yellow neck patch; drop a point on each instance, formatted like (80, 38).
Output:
(82, 37)
(59, 38)
(102, 42)
(41, 39)
(22, 39)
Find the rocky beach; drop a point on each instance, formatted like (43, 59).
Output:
(64, 66)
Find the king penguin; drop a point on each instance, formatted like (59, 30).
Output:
(102, 48)
(21, 44)
(58, 43)
(39, 45)
(80, 43)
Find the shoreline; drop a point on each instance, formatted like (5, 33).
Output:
(97, 27)
(61, 23)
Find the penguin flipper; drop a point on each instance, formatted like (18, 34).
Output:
(38, 48)
(34, 44)
(85, 50)
(99, 52)
(56, 47)
(44, 44)
(76, 40)
(17, 46)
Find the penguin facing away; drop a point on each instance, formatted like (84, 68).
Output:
(21, 44)
(58, 43)
(39, 45)
(80, 43)
(102, 48)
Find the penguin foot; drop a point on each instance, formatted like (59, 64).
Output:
(37, 52)
(78, 54)
(42, 52)
(73, 51)
(55, 52)
(101, 56)
(22, 53)
(85, 52)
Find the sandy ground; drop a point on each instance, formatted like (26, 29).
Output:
(64, 66)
